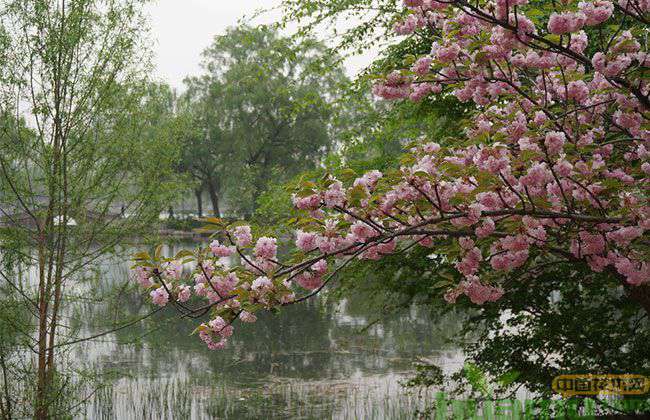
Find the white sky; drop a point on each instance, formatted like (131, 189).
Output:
(182, 29)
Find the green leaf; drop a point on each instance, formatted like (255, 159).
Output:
(213, 220)
(305, 193)
(509, 377)
(477, 379)
(442, 283)
(347, 174)
(183, 253)
(357, 194)
(142, 256)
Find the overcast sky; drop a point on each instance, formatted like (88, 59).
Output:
(181, 29)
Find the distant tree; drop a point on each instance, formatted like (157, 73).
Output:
(263, 109)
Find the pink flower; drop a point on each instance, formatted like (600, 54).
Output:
(335, 195)
(538, 175)
(630, 120)
(262, 284)
(633, 6)
(514, 243)
(319, 267)
(509, 260)
(143, 274)
(577, 90)
(554, 142)
(219, 250)
(579, 42)
(369, 179)
(306, 241)
(625, 235)
(563, 168)
(420, 91)
(422, 65)
(220, 327)
(645, 167)
(408, 25)
(310, 202)
(561, 23)
(466, 243)
(636, 274)
(489, 200)
(434, 5)
(486, 229)
(207, 337)
(470, 263)
(173, 270)
(431, 148)
(385, 248)
(479, 293)
(395, 86)
(588, 244)
(362, 231)
(596, 12)
(266, 248)
(610, 68)
(309, 280)
(448, 53)
(246, 316)
(159, 296)
(184, 293)
(243, 236)
(452, 295)
(325, 244)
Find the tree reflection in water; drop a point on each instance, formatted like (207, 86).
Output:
(309, 360)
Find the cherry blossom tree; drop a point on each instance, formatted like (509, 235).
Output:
(554, 167)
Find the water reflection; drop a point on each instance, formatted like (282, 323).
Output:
(308, 361)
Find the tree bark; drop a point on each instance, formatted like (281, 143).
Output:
(199, 201)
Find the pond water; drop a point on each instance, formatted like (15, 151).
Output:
(311, 360)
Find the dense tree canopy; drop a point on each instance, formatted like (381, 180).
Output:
(263, 110)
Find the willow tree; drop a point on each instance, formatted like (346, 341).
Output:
(263, 108)
(77, 153)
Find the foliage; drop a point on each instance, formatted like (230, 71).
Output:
(261, 111)
(546, 194)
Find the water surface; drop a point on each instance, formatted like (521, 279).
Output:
(311, 360)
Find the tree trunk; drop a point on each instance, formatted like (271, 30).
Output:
(40, 409)
(641, 294)
(199, 201)
(214, 198)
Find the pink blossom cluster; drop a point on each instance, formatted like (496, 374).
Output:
(220, 250)
(215, 333)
